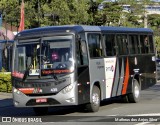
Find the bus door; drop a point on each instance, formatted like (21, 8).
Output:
(96, 62)
(110, 65)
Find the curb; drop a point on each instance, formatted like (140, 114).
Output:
(4, 95)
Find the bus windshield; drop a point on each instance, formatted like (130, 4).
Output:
(48, 55)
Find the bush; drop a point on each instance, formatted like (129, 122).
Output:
(5, 82)
(157, 44)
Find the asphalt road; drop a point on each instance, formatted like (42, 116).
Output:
(112, 111)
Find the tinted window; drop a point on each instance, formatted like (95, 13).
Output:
(81, 53)
(94, 43)
(122, 43)
(151, 43)
(133, 44)
(144, 44)
(110, 44)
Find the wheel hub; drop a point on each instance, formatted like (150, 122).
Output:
(136, 91)
(95, 99)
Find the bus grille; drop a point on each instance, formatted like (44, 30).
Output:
(41, 94)
(36, 85)
(33, 85)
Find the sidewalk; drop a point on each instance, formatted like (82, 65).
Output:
(5, 99)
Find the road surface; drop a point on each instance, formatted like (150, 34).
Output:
(112, 111)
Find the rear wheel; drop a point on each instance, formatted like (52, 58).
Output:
(135, 95)
(40, 110)
(93, 106)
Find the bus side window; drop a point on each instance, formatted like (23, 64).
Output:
(122, 43)
(110, 44)
(78, 55)
(151, 43)
(84, 52)
(133, 44)
(144, 41)
(81, 51)
(94, 44)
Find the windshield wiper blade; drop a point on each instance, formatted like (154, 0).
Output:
(25, 75)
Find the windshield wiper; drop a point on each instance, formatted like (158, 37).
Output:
(26, 73)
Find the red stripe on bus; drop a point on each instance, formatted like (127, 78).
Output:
(125, 84)
(26, 90)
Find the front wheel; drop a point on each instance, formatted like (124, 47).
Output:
(134, 97)
(93, 106)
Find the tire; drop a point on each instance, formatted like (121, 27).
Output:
(94, 105)
(134, 97)
(40, 110)
(124, 98)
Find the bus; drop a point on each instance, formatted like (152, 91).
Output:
(81, 65)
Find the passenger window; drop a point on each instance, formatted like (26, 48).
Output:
(94, 43)
(110, 44)
(133, 44)
(84, 53)
(81, 47)
(144, 41)
(151, 44)
(122, 43)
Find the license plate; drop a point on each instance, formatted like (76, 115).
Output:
(41, 100)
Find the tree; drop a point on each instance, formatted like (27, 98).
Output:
(110, 14)
(46, 12)
(10, 10)
(137, 15)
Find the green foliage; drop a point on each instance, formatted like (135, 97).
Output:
(110, 15)
(5, 82)
(3, 70)
(157, 44)
(66, 12)
(154, 20)
(10, 10)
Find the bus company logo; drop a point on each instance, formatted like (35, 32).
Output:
(111, 68)
(37, 90)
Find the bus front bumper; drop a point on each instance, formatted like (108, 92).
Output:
(60, 99)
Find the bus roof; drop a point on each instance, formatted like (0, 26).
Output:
(80, 28)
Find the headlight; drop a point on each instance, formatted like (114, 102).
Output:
(16, 91)
(67, 89)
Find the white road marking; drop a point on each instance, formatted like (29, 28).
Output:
(150, 114)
